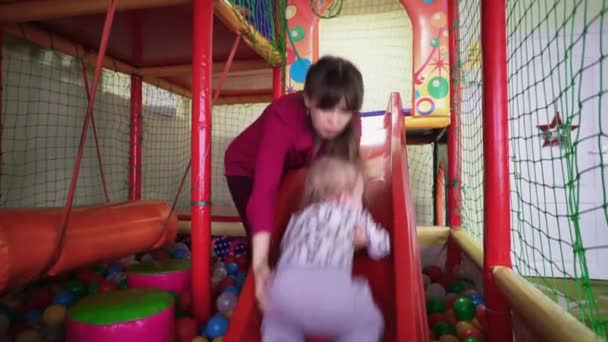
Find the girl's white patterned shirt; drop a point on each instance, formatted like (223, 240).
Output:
(322, 235)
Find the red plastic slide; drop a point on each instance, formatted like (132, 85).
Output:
(29, 237)
(396, 282)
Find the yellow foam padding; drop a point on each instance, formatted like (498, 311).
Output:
(217, 228)
(427, 122)
(542, 315)
(428, 236)
(433, 235)
(471, 247)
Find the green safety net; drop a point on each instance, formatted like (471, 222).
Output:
(558, 146)
(266, 17)
(556, 58)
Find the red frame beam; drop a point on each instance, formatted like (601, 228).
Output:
(454, 256)
(497, 234)
(1, 49)
(201, 157)
(135, 140)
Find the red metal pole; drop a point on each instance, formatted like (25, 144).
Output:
(497, 234)
(1, 48)
(135, 139)
(277, 83)
(201, 157)
(454, 256)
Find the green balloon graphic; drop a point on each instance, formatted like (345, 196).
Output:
(438, 87)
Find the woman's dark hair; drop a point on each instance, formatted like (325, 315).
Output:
(328, 81)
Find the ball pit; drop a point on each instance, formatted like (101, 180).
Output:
(455, 309)
(40, 312)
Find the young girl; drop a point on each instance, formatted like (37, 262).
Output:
(313, 292)
(293, 131)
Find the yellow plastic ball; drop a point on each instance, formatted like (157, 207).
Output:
(462, 326)
(218, 339)
(448, 338)
(200, 339)
(29, 336)
(54, 315)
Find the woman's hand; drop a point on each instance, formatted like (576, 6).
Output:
(360, 240)
(261, 270)
(262, 276)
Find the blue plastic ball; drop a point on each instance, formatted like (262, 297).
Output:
(216, 327)
(180, 254)
(232, 268)
(113, 269)
(232, 289)
(65, 298)
(33, 316)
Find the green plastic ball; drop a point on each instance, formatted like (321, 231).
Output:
(464, 309)
(434, 305)
(76, 287)
(471, 339)
(443, 328)
(456, 286)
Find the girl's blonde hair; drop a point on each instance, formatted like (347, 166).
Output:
(329, 177)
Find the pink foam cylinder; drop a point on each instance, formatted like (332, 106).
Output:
(156, 328)
(177, 281)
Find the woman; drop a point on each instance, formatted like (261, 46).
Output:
(292, 131)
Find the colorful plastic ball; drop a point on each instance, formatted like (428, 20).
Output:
(41, 297)
(216, 327)
(161, 255)
(65, 298)
(78, 288)
(450, 317)
(426, 281)
(471, 339)
(470, 332)
(478, 301)
(226, 302)
(434, 272)
(449, 299)
(456, 286)
(480, 314)
(93, 288)
(218, 339)
(114, 268)
(231, 289)
(233, 268)
(443, 328)
(99, 269)
(4, 323)
(435, 317)
(220, 272)
(200, 339)
(106, 286)
(448, 338)
(181, 254)
(435, 306)
(185, 329)
(29, 336)
(147, 259)
(462, 326)
(464, 309)
(33, 317)
(52, 334)
(54, 315)
(435, 291)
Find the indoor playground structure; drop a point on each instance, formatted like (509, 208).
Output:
(482, 124)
